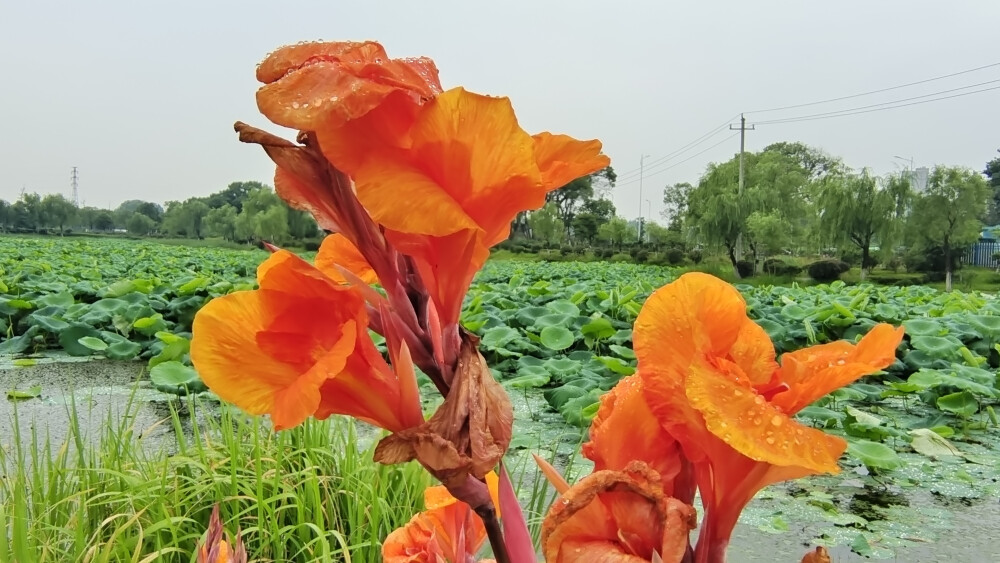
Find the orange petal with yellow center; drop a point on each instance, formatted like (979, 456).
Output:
(337, 252)
(813, 372)
(754, 353)
(753, 427)
(448, 529)
(562, 158)
(696, 314)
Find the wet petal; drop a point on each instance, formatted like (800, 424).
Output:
(326, 84)
(753, 427)
(617, 516)
(696, 314)
(625, 430)
(813, 372)
(754, 353)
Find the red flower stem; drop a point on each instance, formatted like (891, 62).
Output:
(494, 533)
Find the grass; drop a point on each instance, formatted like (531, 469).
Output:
(309, 494)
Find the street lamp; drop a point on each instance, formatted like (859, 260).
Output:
(910, 160)
(639, 227)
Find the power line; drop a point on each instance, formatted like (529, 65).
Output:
(852, 111)
(715, 131)
(676, 164)
(876, 91)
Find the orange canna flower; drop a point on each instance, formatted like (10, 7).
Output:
(218, 547)
(709, 376)
(448, 531)
(617, 517)
(299, 347)
(468, 170)
(819, 555)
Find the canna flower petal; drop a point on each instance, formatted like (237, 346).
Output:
(469, 155)
(330, 83)
(813, 372)
(447, 531)
(297, 347)
(218, 546)
(337, 252)
(623, 411)
(617, 516)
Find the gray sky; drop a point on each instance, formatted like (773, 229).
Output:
(142, 95)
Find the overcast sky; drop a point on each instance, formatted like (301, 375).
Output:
(141, 95)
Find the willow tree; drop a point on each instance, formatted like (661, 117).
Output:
(860, 209)
(774, 186)
(948, 213)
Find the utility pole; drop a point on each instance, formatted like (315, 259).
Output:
(639, 226)
(74, 180)
(743, 141)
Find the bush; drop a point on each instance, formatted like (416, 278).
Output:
(695, 256)
(640, 256)
(311, 245)
(778, 267)
(931, 261)
(745, 268)
(565, 250)
(621, 257)
(674, 256)
(827, 270)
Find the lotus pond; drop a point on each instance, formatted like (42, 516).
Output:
(923, 436)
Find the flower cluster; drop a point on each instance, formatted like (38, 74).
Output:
(415, 184)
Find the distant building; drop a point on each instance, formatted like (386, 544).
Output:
(918, 179)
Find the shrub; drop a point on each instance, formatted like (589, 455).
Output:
(621, 257)
(565, 250)
(640, 256)
(311, 245)
(695, 256)
(745, 268)
(827, 270)
(674, 256)
(778, 267)
(931, 260)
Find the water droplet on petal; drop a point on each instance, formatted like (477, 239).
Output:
(737, 393)
(757, 421)
(295, 105)
(769, 440)
(759, 400)
(776, 420)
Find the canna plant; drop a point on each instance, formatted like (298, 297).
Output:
(415, 184)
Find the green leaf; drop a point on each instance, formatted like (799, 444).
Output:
(174, 374)
(69, 339)
(192, 286)
(557, 338)
(528, 381)
(31, 393)
(598, 329)
(123, 350)
(622, 351)
(564, 307)
(150, 325)
(875, 455)
(19, 344)
(963, 404)
(95, 344)
(931, 444)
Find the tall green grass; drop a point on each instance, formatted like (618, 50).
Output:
(312, 493)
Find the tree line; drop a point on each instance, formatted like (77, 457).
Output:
(797, 201)
(242, 212)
